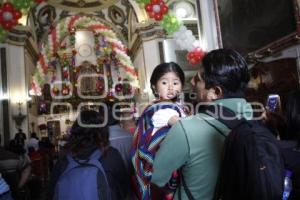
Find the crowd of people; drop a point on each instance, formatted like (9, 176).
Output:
(173, 153)
(25, 166)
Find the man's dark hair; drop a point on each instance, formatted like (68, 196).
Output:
(85, 139)
(227, 69)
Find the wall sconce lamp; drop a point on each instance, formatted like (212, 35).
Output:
(19, 118)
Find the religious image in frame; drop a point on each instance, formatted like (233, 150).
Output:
(249, 25)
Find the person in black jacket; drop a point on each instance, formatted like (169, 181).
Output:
(84, 140)
(290, 142)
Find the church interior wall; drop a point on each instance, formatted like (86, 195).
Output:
(154, 47)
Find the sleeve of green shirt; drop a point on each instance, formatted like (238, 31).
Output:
(171, 155)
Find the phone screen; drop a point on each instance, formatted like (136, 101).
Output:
(273, 102)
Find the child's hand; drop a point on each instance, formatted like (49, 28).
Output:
(173, 120)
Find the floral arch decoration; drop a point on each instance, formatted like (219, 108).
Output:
(58, 53)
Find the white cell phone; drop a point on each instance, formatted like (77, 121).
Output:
(273, 102)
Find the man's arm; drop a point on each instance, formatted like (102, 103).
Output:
(171, 155)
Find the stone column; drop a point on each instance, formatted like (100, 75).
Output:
(21, 57)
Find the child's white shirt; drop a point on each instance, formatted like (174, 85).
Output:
(161, 117)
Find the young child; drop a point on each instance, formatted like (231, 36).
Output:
(166, 82)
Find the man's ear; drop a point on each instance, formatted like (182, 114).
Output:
(219, 92)
(215, 93)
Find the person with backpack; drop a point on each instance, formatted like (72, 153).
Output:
(91, 169)
(195, 144)
(15, 168)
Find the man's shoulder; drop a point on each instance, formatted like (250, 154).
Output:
(198, 122)
(196, 119)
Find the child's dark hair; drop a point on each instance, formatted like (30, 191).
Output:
(164, 68)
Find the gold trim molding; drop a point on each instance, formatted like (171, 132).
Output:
(143, 33)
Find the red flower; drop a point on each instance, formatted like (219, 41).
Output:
(42, 126)
(195, 56)
(156, 9)
(9, 16)
(39, 1)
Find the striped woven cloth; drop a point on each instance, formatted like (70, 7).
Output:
(145, 145)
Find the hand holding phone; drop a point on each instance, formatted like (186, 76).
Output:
(273, 102)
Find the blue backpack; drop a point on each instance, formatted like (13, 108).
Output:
(83, 180)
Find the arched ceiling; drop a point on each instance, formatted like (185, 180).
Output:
(122, 15)
(115, 13)
(82, 5)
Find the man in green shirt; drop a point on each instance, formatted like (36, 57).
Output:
(193, 143)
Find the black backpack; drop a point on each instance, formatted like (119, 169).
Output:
(252, 166)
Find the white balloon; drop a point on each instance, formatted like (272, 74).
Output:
(191, 39)
(176, 35)
(182, 36)
(182, 28)
(190, 48)
(189, 33)
(156, 8)
(7, 16)
(196, 44)
(180, 44)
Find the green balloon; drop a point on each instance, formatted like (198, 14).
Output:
(26, 5)
(3, 35)
(170, 23)
(31, 3)
(142, 1)
(2, 38)
(23, 4)
(18, 4)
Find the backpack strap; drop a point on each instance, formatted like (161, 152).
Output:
(224, 115)
(229, 119)
(185, 187)
(104, 191)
